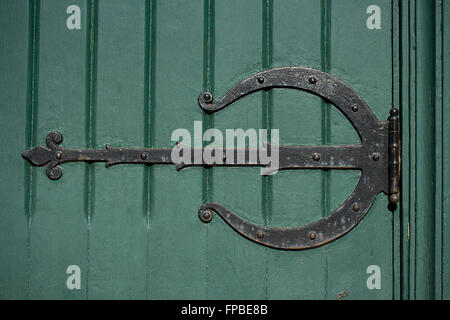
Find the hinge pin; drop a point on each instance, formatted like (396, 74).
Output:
(394, 156)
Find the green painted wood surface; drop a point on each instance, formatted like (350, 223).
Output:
(176, 241)
(443, 152)
(57, 233)
(132, 75)
(16, 127)
(424, 98)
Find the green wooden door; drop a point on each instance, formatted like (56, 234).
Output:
(128, 73)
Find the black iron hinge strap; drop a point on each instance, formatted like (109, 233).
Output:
(290, 157)
(377, 157)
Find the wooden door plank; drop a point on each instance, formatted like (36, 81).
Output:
(424, 267)
(58, 228)
(118, 232)
(361, 57)
(236, 266)
(297, 194)
(16, 59)
(176, 242)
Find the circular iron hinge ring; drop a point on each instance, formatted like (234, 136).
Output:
(374, 139)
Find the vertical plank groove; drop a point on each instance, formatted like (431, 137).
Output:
(407, 148)
(445, 101)
(439, 147)
(31, 124)
(433, 182)
(325, 62)
(149, 115)
(208, 80)
(404, 108)
(412, 150)
(267, 99)
(149, 96)
(414, 99)
(325, 65)
(91, 75)
(208, 85)
(426, 174)
(267, 108)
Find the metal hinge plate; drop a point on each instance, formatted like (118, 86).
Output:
(377, 157)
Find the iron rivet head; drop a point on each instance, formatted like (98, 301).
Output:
(316, 157)
(58, 155)
(393, 198)
(205, 215)
(143, 156)
(355, 108)
(356, 207)
(312, 80)
(207, 97)
(312, 235)
(260, 80)
(260, 234)
(376, 157)
(393, 112)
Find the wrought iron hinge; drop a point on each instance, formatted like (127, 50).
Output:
(377, 157)
(394, 156)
